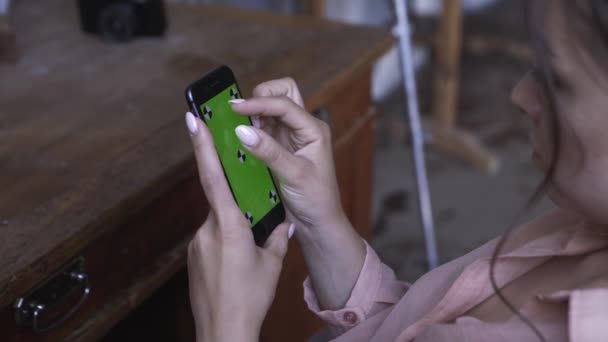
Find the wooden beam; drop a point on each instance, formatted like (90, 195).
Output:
(315, 8)
(447, 73)
(8, 45)
(462, 145)
(481, 44)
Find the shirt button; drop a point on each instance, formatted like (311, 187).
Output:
(350, 317)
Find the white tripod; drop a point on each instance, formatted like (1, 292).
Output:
(409, 78)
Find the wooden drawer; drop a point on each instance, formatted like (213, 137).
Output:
(127, 264)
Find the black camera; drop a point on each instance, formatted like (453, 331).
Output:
(122, 20)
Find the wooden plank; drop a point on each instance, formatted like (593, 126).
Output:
(483, 44)
(315, 8)
(447, 73)
(354, 155)
(8, 45)
(462, 145)
(364, 171)
(93, 132)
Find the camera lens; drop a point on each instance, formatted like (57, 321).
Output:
(117, 22)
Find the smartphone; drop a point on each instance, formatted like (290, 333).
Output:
(250, 180)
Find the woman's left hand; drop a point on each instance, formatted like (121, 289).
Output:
(232, 281)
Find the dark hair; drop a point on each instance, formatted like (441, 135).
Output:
(591, 28)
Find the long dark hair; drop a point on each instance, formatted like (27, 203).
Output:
(590, 23)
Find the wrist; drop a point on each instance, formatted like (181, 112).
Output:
(333, 226)
(322, 238)
(328, 243)
(228, 331)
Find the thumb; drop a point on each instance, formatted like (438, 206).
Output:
(282, 162)
(277, 241)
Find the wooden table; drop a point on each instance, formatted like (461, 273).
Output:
(95, 160)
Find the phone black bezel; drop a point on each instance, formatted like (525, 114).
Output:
(200, 92)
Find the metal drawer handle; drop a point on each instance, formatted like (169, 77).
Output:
(29, 308)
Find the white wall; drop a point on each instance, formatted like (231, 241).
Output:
(387, 71)
(4, 5)
(283, 6)
(433, 7)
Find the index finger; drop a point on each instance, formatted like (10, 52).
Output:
(280, 87)
(210, 169)
(284, 110)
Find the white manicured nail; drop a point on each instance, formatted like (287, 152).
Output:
(292, 230)
(191, 123)
(247, 135)
(233, 101)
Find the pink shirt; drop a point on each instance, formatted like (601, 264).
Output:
(382, 308)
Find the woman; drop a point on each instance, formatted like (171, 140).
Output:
(545, 280)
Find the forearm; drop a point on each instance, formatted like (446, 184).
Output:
(334, 254)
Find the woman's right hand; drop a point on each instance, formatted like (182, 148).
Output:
(297, 148)
(300, 156)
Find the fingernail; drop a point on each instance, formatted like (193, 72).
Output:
(247, 136)
(233, 101)
(291, 231)
(191, 123)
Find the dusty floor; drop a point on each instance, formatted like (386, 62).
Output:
(469, 207)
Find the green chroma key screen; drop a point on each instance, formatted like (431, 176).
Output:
(249, 177)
